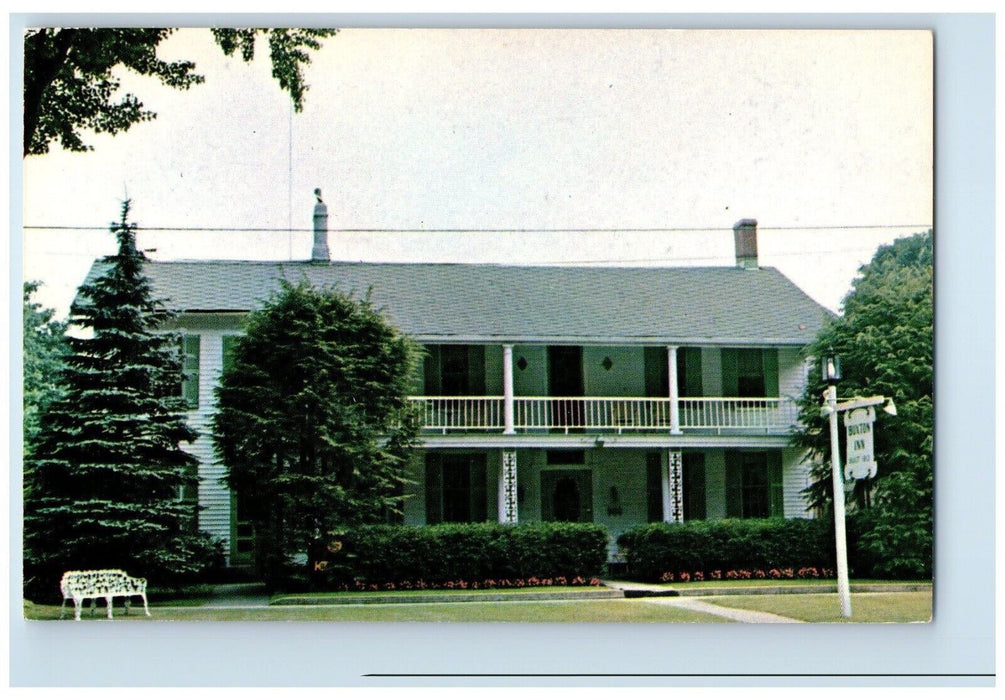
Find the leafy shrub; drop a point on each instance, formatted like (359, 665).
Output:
(435, 554)
(724, 545)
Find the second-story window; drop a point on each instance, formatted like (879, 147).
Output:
(455, 370)
(750, 372)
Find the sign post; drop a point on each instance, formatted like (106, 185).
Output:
(860, 464)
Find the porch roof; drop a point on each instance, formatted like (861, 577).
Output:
(509, 303)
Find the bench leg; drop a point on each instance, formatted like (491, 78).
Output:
(62, 610)
(108, 601)
(78, 607)
(129, 600)
(145, 608)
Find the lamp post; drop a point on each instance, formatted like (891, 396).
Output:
(831, 368)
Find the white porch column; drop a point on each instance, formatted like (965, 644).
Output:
(507, 488)
(508, 428)
(674, 403)
(673, 488)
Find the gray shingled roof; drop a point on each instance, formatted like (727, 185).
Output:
(499, 303)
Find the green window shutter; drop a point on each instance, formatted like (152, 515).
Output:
(729, 372)
(689, 381)
(654, 487)
(694, 486)
(229, 342)
(476, 370)
(190, 368)
(776, 498)
(734, 484)
(434, 489)
(479, 490)
(547, 492)
(432, 369)
(656, 371)
(770, 371)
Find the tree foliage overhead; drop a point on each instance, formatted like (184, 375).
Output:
(44, 348)
(103, 482)
(885, 340)
(313, 421)
(70, 84)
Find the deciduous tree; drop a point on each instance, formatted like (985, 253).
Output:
(44, 347)
(313, 421)
(885, 340)
(70, 83)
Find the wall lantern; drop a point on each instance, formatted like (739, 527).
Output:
(607, 364)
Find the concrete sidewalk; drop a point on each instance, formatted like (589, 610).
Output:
(721, 611)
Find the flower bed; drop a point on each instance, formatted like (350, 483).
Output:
(461, 584)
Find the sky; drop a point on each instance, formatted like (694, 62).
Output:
(613, 147)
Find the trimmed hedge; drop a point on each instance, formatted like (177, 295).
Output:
(655, 550)
(467, 551)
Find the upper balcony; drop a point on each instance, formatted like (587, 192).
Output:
(643, 391)
(617, 415)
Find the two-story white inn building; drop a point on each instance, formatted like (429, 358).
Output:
(609, 395)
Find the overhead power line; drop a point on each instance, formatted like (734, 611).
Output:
(669, 229)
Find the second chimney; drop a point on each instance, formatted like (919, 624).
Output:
(745, 239)
(319, 253)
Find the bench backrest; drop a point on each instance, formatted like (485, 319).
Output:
(102, 582)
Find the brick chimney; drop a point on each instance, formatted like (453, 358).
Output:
(319, 253)
(745, 239)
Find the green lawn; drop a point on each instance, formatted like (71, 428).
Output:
(517, 611)
(915, 606)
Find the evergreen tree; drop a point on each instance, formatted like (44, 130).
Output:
(885, 340)
(313, 422)
(102, 483)
(44, 347)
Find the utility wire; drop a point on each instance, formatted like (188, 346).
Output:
(672, 229)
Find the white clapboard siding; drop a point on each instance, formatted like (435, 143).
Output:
(214, 497)
(795, 478)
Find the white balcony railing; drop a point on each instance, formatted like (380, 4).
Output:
(606, 414)
(446, 413)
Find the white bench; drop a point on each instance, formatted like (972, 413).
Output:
(103, 583)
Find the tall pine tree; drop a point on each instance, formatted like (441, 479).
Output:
(102, 483)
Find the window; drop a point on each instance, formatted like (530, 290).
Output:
(560, 457)
(657, 371)
(749, 372)
(190, 370)
(692, 488)
(455, 370)
(455, 488)
(754, 485)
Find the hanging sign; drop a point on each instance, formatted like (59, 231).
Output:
(861, 461)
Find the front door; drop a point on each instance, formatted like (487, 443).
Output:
(567, 495)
